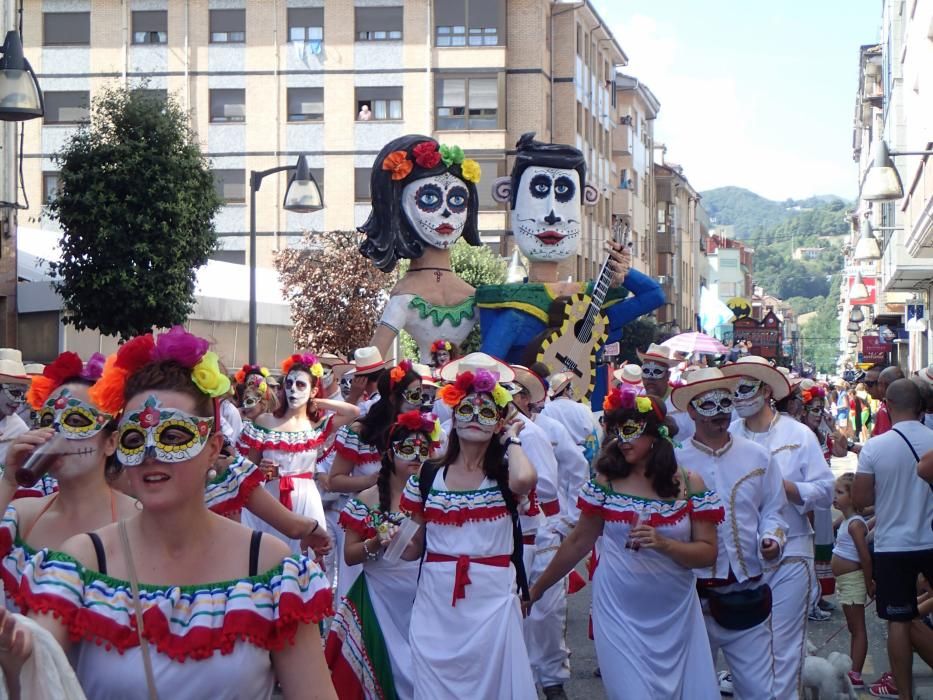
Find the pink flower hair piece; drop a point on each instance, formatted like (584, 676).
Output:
(94, 367)
(485, 381)
(181, 346)
(627, 396)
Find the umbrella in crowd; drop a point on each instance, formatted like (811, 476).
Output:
(696, 343)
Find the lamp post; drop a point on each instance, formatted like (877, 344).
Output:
(882, 181)
(867, 247)
(20, 96)
(303, 196)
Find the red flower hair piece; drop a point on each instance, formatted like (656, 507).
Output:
(413, 420)
(66, 366)
(464, 382)
(426, 154)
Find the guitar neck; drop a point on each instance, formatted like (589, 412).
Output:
(603, 282)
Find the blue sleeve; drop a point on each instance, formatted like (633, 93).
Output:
(646, 296)
(500, 331)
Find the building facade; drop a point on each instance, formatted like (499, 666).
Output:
(730, 265)
(265, 82)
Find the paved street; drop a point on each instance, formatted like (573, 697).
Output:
(828, 636)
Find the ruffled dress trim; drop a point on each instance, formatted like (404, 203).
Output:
(349, 445)
(229, 491)
(596, 499)
(453, 507)
(256, 437)
(182, 622)
(363, 520)
(16, 555)
(46, 486)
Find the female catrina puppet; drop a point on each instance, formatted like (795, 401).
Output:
(423, 199)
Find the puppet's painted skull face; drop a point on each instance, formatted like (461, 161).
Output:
(436, 207)
(546, 219)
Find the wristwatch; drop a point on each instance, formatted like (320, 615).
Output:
(511, 440)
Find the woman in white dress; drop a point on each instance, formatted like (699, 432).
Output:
(367, 648)
(466, 626)
(657, 522)
(286, 444)
(218, 611)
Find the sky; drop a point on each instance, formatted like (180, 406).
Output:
(753, 93)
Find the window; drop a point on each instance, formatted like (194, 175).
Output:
(378, 23)
(228, 105)
(491, 169)
(469, 22)
(381, 103)
(306, 24)
(467, 103)
(150, 27)
(318, 175)
(67, 107)
(305, 104)
(66, 28)
(361, 184)
(228, 26)
(50, 182)
(230, 185)
(580, 40)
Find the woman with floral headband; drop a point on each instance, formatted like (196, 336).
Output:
(359, 447)
(84, 499)
(367, 648)
(286, 444)
(423, 200)
(442, 352)
(134, 598)
(657, 522)
(466, 627)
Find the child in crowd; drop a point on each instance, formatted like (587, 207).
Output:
(852, 568)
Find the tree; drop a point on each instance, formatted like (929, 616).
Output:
(819, 337)
(336, 294)
(475, 265)
(135, 202)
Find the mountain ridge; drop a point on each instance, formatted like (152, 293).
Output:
(753, 214)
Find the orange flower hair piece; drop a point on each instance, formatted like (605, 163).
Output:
(398, 164)
(451, 394)
(398, 372)
(107, 393)
(814, 392)
(66, 366)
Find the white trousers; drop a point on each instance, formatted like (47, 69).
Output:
(546, 626)
(748, 654)
(792, 589)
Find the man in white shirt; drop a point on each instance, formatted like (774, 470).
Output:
(13, 385)
(657, 362)
(887, 478)
(752, 492)
(808, 485)
(544, 629)
(576, 417)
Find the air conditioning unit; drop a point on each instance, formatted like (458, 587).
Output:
(664, 279)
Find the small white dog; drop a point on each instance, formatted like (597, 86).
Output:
(827, 679)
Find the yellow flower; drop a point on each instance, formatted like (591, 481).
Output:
(435, 431)
(643, 404)
(317, 370)
(264, 372)
(208, 378)
(471, 170)
(501, 396)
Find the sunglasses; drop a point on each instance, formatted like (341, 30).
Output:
(874, 383)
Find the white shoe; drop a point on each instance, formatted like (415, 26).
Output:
(817, 615)
(725, 683)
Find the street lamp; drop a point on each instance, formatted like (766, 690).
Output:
(858, 290)
(853, 339)
(302, 195)
(853, 327)
(882, 181)
(867, 247)
(856, 315)
(20, 96)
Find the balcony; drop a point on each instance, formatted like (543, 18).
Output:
(664, 242)
(900, 271)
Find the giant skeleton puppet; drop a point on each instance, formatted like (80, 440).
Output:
(424, 199)
(546, 192)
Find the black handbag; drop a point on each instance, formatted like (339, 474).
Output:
(739, 610)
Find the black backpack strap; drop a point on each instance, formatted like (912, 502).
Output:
(518, 561)
(254, 541)
(904, 438)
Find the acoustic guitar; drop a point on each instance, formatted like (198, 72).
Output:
(579, 336)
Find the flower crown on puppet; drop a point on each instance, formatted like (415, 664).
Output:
(416, 421)
(66, 367)
(814, 392)
(177, 345)
(441, 344)
(309, 360)
(397, 373)
(427, 155)
(481, 382)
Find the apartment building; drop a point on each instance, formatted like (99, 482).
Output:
(634, 205)
(334, 80)
(894, 106)
(730, 265)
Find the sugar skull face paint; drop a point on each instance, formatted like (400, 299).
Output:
(653, 370)
(436, 207)
(12, 396)
(478, 407)
(72, 418)
(713, 403)
(413, 448)
(628, 431)
(749, 398)
(164, 433)
(254, 391)
(547, 213)
(297, 388)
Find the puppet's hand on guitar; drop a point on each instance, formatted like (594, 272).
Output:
(620, 260)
